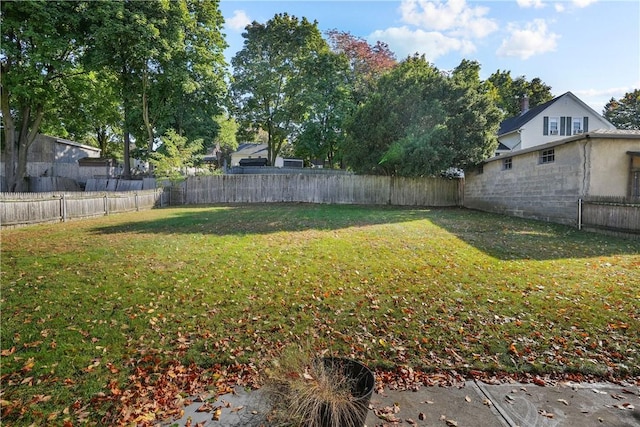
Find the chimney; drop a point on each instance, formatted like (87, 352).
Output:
(524, 104)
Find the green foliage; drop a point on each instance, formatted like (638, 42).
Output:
(625, 112)
(42, 43)
(269, 80)
(508, 93)
(174, 154)
(90, 112)
(421, 121)
(168, 56)
(330, 97)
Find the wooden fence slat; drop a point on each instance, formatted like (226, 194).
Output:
(618, 214)
(18, 209)
(321, 188)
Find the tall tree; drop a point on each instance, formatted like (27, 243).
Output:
(625, 112)
(404, 110)
(269, 77)
(330, 96)
(510, 92)
(90, 112)
(41, 45)
(169, 62)
(187, 92)
(421, 121)
(126, 41)
(366, 62)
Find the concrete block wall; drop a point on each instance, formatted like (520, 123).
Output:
(548, 192)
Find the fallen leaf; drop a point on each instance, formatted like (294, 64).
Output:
(545, 413)
(217, 413)
(563, 401)
(467, 398)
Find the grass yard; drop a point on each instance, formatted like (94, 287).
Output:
(99, 315)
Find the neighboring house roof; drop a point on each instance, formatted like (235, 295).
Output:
(513, 124)
(251, 149)
(502, 147)
(596, 134)
(74, 144)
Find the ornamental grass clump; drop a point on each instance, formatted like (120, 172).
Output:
(311, 391)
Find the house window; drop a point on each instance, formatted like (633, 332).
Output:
(576, 126)
(547, 156)
(554, 125)
(507, 164)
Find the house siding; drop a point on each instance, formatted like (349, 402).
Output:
(610, 173)
(550, 192)
(532, 132)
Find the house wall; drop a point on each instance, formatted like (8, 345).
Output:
(51, 157)
(609, 166)
(532, 133)
(542, 191)
(550, 192)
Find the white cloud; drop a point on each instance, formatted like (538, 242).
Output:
(453, 16)
(526, 42)
(406, 42)
(537, 4)
(238, 21)
(583, 3)
(559, 7)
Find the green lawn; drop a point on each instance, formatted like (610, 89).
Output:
(97, 313)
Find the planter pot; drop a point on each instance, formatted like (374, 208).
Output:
(361, 381)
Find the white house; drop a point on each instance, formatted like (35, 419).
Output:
(554, 120)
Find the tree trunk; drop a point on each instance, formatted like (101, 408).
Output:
(126, 173)
(145, 113)
(17, 144)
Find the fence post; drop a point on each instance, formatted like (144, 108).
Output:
(106, 204)
(136, 199)
(63, 208)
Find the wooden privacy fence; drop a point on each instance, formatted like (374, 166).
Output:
(615, 214)
(18, 209)
(332, 189)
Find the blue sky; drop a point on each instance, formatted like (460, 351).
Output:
(588, 47)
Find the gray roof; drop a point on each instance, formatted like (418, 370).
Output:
(514, 123)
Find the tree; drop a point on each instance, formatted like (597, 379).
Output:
(405, 109)
(625, 112)
(330, 96)
(226, 141)
(169, 62)
(41, 46)
(421, 121)
(90, 112)
(187, 92)
(366, 62)
(509, 92)
(173, 155)
(269, 77)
